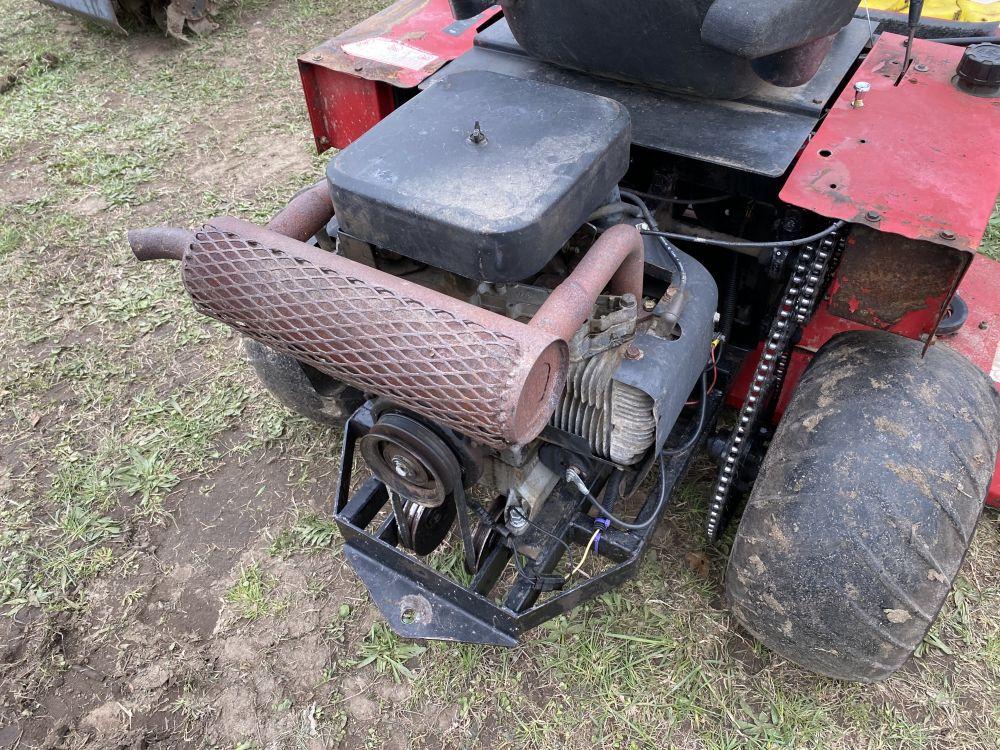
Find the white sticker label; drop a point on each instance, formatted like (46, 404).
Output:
(995, 372)
(390, 52)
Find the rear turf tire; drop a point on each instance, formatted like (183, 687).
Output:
(303, 389)
(865, 506)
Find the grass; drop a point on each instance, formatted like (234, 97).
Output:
(123, 410)
(309, 533)
(387, 654)
(251, 594)
(991, 243)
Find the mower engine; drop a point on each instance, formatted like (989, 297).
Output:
(483, 189)
(486, 293)
(474, 234)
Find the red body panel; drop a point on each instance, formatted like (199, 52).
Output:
(351, 81)
(915, 162)
(922, 155)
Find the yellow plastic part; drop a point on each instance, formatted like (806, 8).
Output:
(972, 11)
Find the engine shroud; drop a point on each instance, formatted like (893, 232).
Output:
(492, 206)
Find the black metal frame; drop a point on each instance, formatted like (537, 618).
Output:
(419, 602)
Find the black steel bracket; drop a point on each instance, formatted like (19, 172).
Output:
(419, 602)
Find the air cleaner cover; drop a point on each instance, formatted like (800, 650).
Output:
(491, 204)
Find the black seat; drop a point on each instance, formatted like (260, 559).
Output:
(711, 48)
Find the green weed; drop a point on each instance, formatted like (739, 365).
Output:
(384, 650)
(251, 593)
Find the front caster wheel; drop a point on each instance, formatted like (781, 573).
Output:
(866, 505)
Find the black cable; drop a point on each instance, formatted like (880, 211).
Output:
(660, 504)
(702, 412)
(836, 226)
(682, 201)
(612, 488)
(543, 582)
(672, 252)
(641, 474)
(691, 442)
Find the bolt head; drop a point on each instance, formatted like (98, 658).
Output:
(862, 87)
(946, 235)
(649, 304)
(983, 325)
(873, 216)
(402, 467)
(517, 519)
(477, 136)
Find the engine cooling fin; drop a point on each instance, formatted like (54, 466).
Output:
(618, 421)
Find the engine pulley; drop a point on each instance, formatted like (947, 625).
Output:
(428, 527)
(411, 460)
(484, 538)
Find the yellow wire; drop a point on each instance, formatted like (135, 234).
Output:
(583, 559)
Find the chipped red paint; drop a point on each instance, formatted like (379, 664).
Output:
(342, 107)
(347, 94)
(896, 284)
(917, 157)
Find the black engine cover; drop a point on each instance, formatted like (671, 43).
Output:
(494, 205)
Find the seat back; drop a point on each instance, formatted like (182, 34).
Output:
(711, 48)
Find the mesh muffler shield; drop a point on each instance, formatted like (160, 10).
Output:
(395, 342)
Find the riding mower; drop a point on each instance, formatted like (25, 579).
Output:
(569, 245)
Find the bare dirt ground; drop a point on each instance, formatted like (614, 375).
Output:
(169, 577)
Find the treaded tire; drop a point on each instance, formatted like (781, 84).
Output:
(865, 506)
(303, 389)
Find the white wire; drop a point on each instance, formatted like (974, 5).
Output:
(586, 552)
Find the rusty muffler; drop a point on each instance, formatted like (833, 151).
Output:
(486, 376)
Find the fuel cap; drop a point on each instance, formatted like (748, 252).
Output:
(979, 70)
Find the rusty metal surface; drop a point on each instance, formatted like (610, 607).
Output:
(306, 214)
(616, 260)
(174, 17)
(487, 376)
(895, 284)
(484, 375)
(159, 243)
(179, 15)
